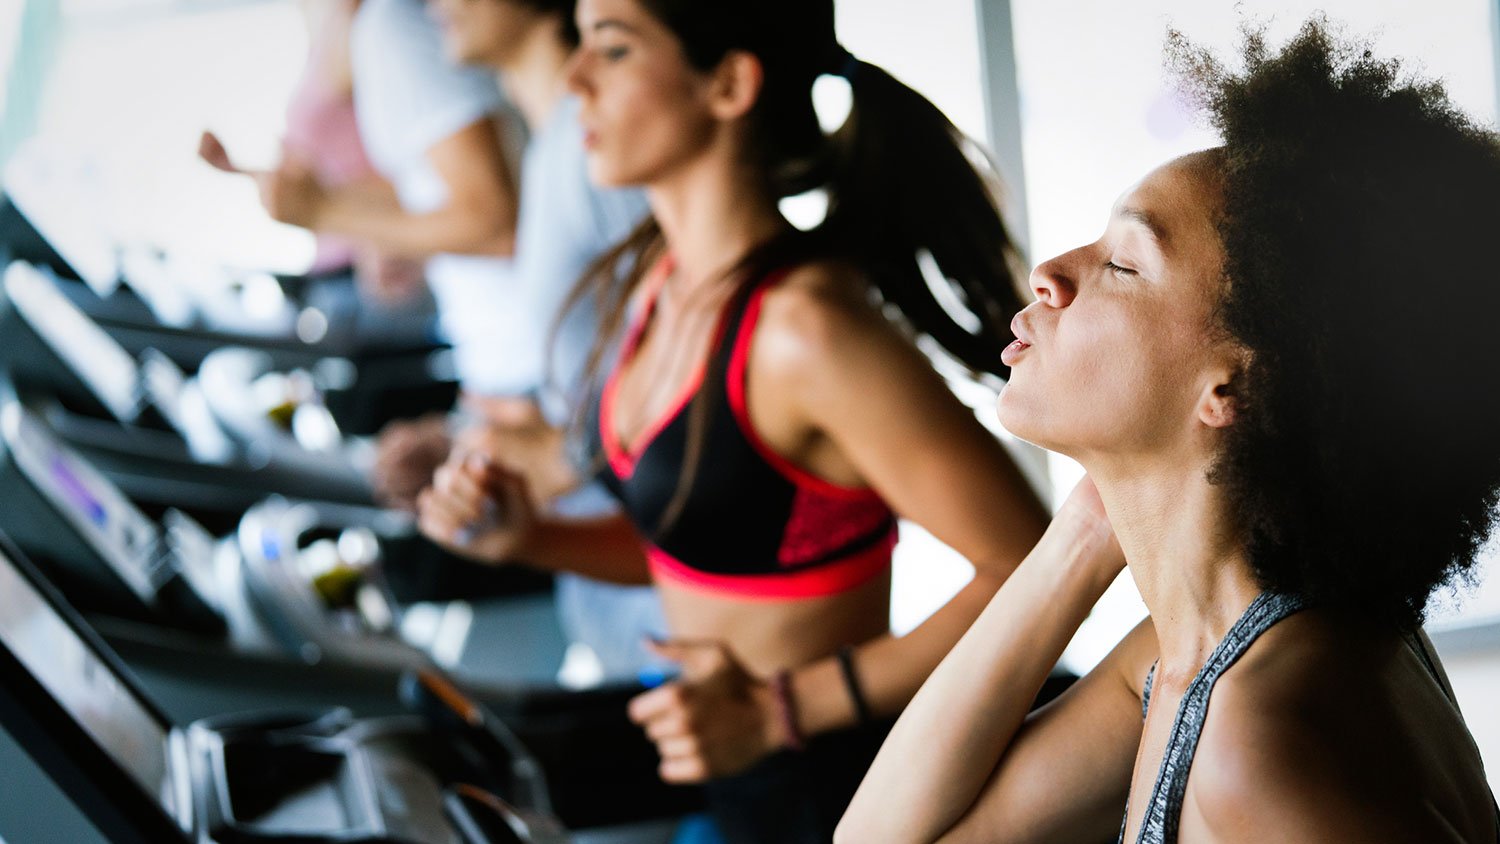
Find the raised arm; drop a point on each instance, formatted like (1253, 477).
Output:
(966, 763)
(478, 217)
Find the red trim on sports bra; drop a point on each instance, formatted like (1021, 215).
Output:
(623, 459)
(739, 404)
(814, 582)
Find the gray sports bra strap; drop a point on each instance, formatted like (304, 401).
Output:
(1164, 810)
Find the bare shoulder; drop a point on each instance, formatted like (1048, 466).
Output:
(822, 319)
(1262, 762)
(821, 307)
(1328, 736)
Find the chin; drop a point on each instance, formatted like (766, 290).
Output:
(1019, 415)
(606, 174)
(457, 53)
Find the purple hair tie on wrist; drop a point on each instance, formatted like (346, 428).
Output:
(786, 707)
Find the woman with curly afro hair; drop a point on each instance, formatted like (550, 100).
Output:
(1278, 364)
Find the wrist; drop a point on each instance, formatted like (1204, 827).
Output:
(1077, 548)
(529, 542)
(316, 216)
(783, 728)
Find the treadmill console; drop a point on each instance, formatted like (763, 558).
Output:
(98, 539)
(154, 392)
(91, 505)
(320, 777)
(90, 694)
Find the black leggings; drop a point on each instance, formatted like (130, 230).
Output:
(796, 797)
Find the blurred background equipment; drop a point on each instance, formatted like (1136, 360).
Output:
(188, 392)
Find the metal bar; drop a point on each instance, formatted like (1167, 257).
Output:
(1002, 102)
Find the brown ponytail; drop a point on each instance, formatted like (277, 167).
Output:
(904, 181)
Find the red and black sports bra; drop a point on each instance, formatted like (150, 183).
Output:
(752, 525)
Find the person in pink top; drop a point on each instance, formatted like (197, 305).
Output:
(321, 131)
(322, 139)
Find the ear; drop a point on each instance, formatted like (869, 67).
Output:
(736, 85)
(1219, 405)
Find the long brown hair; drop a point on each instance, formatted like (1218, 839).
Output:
(903, 184)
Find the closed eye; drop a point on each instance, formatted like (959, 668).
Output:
(1117, 269)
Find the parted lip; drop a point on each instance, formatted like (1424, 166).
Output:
(1019, 330)
(590, 134)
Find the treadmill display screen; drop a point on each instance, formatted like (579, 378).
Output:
(85, 686)
(99, 512)
(77, 494)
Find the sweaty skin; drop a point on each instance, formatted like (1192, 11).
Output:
(833, 388)
(1325, 730)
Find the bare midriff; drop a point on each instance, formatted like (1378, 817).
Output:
(767, 636)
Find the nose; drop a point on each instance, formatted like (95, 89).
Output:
(1053, 281)
(575, 72)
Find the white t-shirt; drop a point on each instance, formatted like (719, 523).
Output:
(408, 97)
(566, 222)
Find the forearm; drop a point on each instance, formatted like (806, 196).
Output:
(889, 669)
(951, 737)
(372, 191)
(606, 548)
(451, 230)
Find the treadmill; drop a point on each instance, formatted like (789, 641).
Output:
(149, 426)
(299, 777)
(213, 624)
(212, 445)
(297, 586)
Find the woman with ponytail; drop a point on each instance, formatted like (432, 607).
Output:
(764, 413)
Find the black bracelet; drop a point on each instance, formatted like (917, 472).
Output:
(851, 682)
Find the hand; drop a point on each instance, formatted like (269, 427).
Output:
(1084, 526)
(406, 455)
(291, 194)
(389, 279)
(715, 721)
(518, 437)
(212, 151)
(477, 509)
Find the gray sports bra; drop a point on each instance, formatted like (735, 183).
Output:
(1164, 811)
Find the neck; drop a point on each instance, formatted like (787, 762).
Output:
(1185, 554)
(712, 213)
(532, 75)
